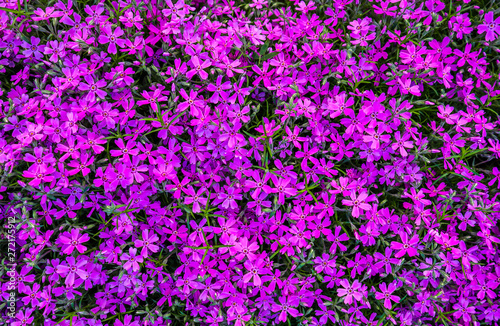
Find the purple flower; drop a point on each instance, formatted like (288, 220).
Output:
(463, 310)
(386, 260)
(386, 294)
(401, 143)
(284, 309)
(255, 270)
(491, 26)
(282, 188)
(406, 246)
(147, 243)
(73, 241)
(93, 88)
(198, 68)
(336, 238)
(132, 260)
(71, 269)
(357, 202)
(349, 291)
(56, 50)
(111, 37)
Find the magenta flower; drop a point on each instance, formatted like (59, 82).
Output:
(454, 143)
(264, 74)
(229, 198)
(127, 321)
(191, 102)
(112, 37)
(147, 243)
(24, 317)
(125, 150)
(93, 88)
(67, 208)
(307, 155)
(81, 166)
(463, 310)
(280, 62)
(40, 175)
(56, 50)
(198, 68)
(324, 264)
(357, 202)
(282, 188)
(199, 232)
(72, 269)
(244, 166)
(132, 260)
(34, 49)
(131, 19)
(175, 10)
(187, 282)
(385, 260)
(152, 98)
(386, 294)
(231, 134)
(491, 26)
(350, 292)
(406, 246)
(336, 238)
(255, 270)
(196, 199)
(402, 143)
(286, 308)
(230, 67)
(73, 241)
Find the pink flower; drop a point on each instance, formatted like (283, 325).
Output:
(132, 260)
(402, 143)
(127, 321)
(93, 88)
(405, 246)
(336, 238)
(386, 294)
(152, 98)
(112, 37)
(73, 241)
(147, 243)
(246, 249)
(286, 308)
(56, 50)
(463, 310)
(454, 143)
(198, 68)
(255, 270)
(72, 269)
(491, 26)
(349, 291)
(357, 202)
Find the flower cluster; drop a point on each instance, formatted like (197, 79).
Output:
(254, 162)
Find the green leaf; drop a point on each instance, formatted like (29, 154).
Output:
(264, 48)
(270, 55)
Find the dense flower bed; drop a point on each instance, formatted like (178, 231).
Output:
(250, 162)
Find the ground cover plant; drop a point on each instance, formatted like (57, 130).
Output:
(249, 162)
